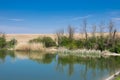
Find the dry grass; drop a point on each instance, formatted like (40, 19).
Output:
(24, 46)
(27, 37)
(37, 47)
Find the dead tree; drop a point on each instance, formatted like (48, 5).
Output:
(71, 32)
(101, 27)
(85, 28)
(59, 35)
(112, 33)
(114, 36)
(111, 29)
(93, 30)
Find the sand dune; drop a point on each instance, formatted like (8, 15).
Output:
(27, 37)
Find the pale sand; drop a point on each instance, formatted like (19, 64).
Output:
(27, 37)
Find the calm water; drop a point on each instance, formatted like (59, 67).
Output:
(41, 66)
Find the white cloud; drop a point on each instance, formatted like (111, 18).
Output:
(75, 19)
(16, 20)
(78, 18)
(11, 19)
(114, 12)
(116, 19)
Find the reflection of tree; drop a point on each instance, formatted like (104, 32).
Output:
(2, 56)
(4, 53)
(39, 57)
(46, 59)
(70, 69)
(95, 65)
(35, 56)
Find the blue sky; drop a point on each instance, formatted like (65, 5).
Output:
(48, 16)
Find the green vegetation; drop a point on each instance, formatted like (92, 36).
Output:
(110, 41)
(118, 78)
(11, 43)
(2, 42)
(101, 42)
(47, 41)
(6, 44)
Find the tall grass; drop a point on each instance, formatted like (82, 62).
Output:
(79, 53)
(24, 46)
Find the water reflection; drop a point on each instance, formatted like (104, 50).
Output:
(92, 67)
(39, 57)
(74, 67)
(4, 54)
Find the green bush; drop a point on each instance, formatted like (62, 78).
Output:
(11, 43)
(49, 42)
(2, 42)
(79, 43)
(115, 48)
(68, 43)
(36, 40)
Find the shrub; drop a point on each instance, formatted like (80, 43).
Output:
(115, 48)
(68, 43)
(2, 42)
(48, 42)
(79, 43)
(36, 40)
(11, 43)
(29, 47)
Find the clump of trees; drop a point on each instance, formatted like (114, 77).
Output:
(104, 40)
(11, 43)
(2, 41)
(102, 37)
(6, 44)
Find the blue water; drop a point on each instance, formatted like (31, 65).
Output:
(40, 66)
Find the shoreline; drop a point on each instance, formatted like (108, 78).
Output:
(112, 77)
(55, 50)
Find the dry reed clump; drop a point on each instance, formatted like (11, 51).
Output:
(37, 47)
(24, 46)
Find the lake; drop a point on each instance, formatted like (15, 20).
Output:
(43, 66)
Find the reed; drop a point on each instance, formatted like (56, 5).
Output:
(24, 46)
(79, 53)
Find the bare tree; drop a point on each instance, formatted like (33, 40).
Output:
(59, 35)
(93, 30)
(102, 27)
(111, 29)
(85, 28)
(114, 35)
(71, 32)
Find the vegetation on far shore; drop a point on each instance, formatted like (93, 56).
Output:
(110, 42)
(6, 44)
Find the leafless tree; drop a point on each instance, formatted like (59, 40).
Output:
(59, 35)
(85, 28)
(71, 31)
(111, 29)
(93, 30)
(101, 28)
(114, 35)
